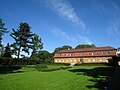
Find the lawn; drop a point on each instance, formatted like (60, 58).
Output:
(75, 78)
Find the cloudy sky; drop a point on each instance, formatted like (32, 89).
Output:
(65, 22)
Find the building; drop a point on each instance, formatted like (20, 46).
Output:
(85, 55)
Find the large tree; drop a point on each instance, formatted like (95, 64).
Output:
(7, 52)
(2, 31)
(85, 46)
(43, 56)
(37, 44)
(23, 39)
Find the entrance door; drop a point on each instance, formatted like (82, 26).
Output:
(81, 60)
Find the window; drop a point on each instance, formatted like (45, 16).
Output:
(89, 53)
(70, 54)
(66, 60)
(103, 52)
(106, 59)
(100, 59)
(59, 60)
(59, 54)
(70, 60)
(93, 59)
(108, 52)
(56, 61)
(62, 54)
(89, 60)
(80, 53)
(92, 53)
(62, 60)
(97, 53)
(67, 54)
(74, 60)
(82, 60)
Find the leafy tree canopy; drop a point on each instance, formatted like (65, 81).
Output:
(85, 46)
(42, 55)
(65, 47)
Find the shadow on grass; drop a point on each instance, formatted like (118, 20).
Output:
(9, 69)
(101, 76)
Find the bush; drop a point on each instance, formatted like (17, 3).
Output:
(8, 69)
(40, 66)
(20, 61)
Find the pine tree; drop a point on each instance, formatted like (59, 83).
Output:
(23, 39)
(37, 44)
(2, 31)
(7, 52)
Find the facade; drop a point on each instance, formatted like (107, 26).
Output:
(85, 55)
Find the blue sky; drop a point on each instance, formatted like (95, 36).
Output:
(65, 22)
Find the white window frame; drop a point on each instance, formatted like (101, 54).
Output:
(100, 59)
(66, 60)
(56, 60)
(93, 59)
(92, 53)
(89, 60)
(59, 60)
(74, 60)
(70, 60)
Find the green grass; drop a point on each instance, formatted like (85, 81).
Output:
(75, 78)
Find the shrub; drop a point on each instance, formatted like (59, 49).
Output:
(40, 66)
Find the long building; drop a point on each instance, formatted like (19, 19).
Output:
(85, 55)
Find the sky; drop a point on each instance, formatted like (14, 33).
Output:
(65, 22)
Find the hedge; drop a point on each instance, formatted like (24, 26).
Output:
(20, 61)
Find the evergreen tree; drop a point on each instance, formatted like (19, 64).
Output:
(7, 52)
(85, 46)
(23, 39)
(37, 44)
(2, 31)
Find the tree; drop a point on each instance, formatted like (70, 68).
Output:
(2, 31)
(85, 46)
(65, 47)
(23, 39)
(37, 44)
(44, 56)
(7, 52)
(58, 49)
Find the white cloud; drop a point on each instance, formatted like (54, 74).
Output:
(114, 29)
(75, 39)
(65, 10)
(115, 6)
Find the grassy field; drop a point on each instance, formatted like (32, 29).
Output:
(75, 78)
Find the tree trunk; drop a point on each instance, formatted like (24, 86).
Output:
(18, 52)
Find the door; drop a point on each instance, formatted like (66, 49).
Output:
(81, 60)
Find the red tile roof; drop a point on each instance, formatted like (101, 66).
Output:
(88, 49)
